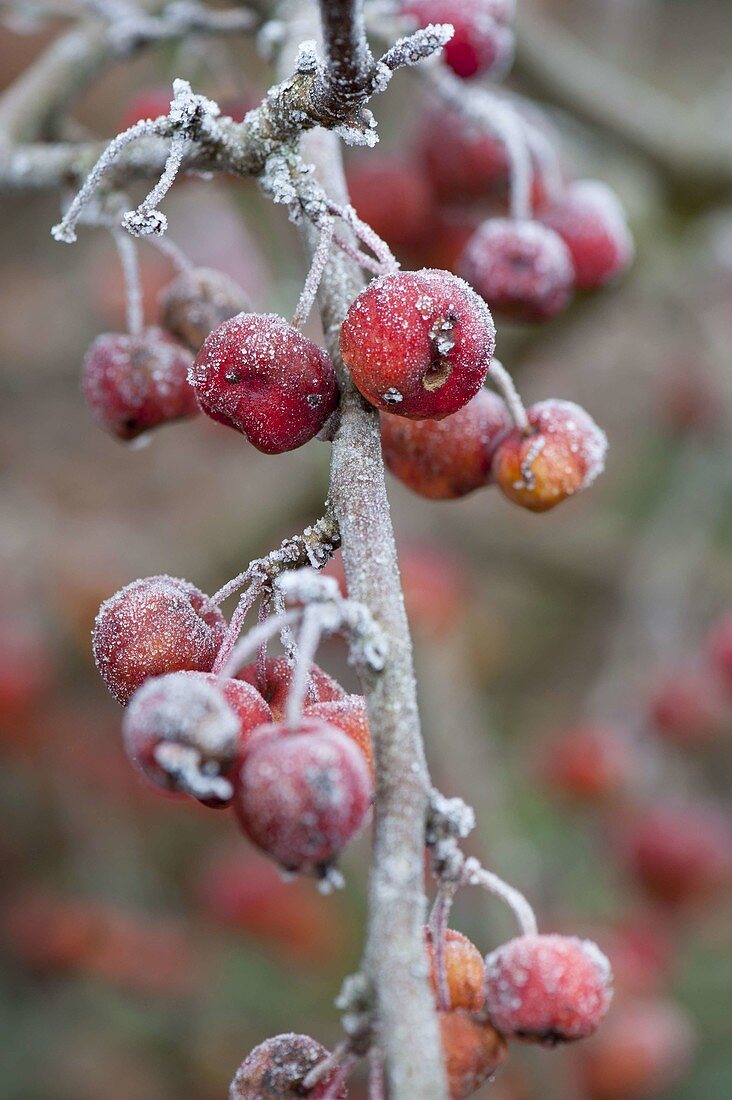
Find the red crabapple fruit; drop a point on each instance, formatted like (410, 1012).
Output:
(418, 343)
(259, 375)
(278, 673)
(445, 459)
(719, 647)
(183, 736)
(350, 715)
(197, 302)
(482, 42)
(686, 708)
(244, 699)
(275, 1070)
(590, 220)
(462, 160)
(680, 855)
(464, 970)
(473, 1051)
(134, 383)
(303, 794)
(562, 452)
(547, 988)
(588, 763)
(523, 269)
(153, 626)
(394, 197)
(644, 1048)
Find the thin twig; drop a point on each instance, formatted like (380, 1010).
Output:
(127, 251)
(506, 385)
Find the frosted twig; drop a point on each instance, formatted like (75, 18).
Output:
(506, 385)
(475, 875)
(439, 918)
(368, 263)
(315, 274)
(307, 645)
(133, 289)
(335, 1061)
(376, 1074)
(414, 48)
(287, 637)
(265, 610)
(334, 1088)
(174, 253)
(367, 236)
(245, 604)
(251, 642)
(131, 29)
(146, 220)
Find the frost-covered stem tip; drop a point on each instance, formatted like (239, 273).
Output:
(475, 875)
(510, 394)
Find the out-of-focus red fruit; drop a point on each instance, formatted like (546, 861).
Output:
(153, 626)
(719, 647)
(259, 375)
(248, 894)
(482, 42)
(547, 988)
(522, 268)
(644, 1048)
(687, 401)
(418, 343)
(641, 951)
(590, 219)
(562, 453)
(449, 232)
(275, 1070)
(149, 103)
(26, 668)
(588, 763)
(303, 794)
(686, 708)
(464, 970)
(445, 459)
(134, 383)
(197, 302)
(350, 715)
(278, 673)
(394, 197)
(108, 291)
(462, 159)
(47, 934)
(236, 107)
(680, 854)
(473, 1051)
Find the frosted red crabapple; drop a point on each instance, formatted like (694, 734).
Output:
(276, 1069)
(523, 269)
(303, 793)
(562, 452)
(259, 375)
(418, 343)
(393, 196)
(275, 687)
(350, 715)
(445, 459)
(547, 988)
(482, 42)
(461, 159)
(133, 383)
(589, 218)
(197, 302)
(473, 1050)
(464, 970)
(153, 626)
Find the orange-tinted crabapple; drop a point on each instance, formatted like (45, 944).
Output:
(350, 715)
(523, 269)
(394, 197)
(587, 763)
(303, 793)
(197, 302)
(259, 375)
(278, 673)
(464, 970)
(276, 1069)
(482, 42)
(473, 1050)
(133, 383)
(445, 459)
(589, 218)
(547, 988)
(153, 626)
(418, 343)
(562, 452)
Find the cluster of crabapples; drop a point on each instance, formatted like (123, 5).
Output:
(545, 989)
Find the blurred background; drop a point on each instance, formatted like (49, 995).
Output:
(575, 668)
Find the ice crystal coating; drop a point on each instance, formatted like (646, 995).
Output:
(197, 302)
(275, 685)
(464, 970)
(482, 42)
(473, 1051)
(562, 452)
(547, 988)
(590, 219)
(259, 375)
(445, 459)
(418, 343)
(153, 626)
(133, 383)
(522, 268)
(303, 794)
(350, 715)
(275, 1070)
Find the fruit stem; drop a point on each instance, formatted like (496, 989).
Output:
(506, 385)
